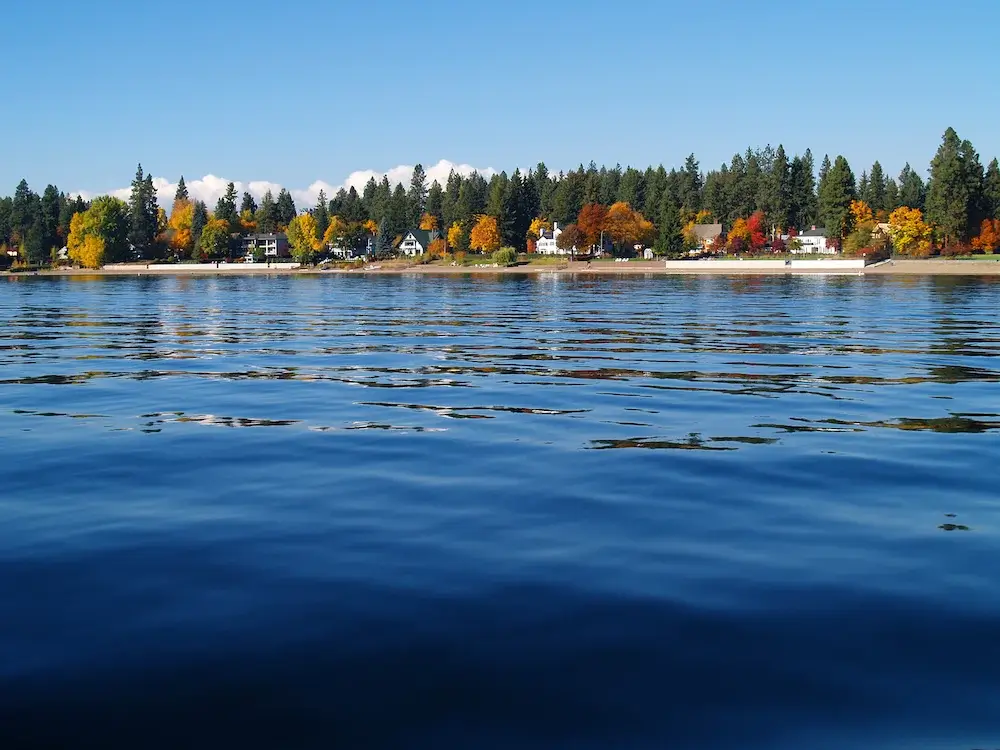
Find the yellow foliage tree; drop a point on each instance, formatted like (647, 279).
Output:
(740, 230)
(911, 235)
(303, 236)
(862, 214)
(335, 230)
(428, 223)
(248, 222)
(703, 217)
(370, 226)
(485, 235)
(181, 217)
(538, 225)
(454, 235)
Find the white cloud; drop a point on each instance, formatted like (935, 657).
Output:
(210, 188)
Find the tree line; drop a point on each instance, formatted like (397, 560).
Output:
(761, 193)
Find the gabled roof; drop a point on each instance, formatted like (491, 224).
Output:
(818, 232)
(707, 231)
(423, 236)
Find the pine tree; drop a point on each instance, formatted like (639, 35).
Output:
(321, 214)
(50, 205)
(181, 194)
(778, 205)
(24, 209)
(891, 196)
(836, 191)
(352, 209)
(435, 203)
(912, 192)
(398, 212)
(143, 215)
(691, 185)
(383, 240)
(670, 239)
(449, 201)
(991, 190)
(248, 204)
(225, 208)
(267, 214)
(285, 207)
(878, 185)
(950, 194)
(864, 191)
(199, 218)
(416, 197)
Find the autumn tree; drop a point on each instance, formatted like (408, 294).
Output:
(428, 222)
(537, 227)
(571, 239)
(303, 237)
(100, 234)
(181, 238)
(861, 213)
(988, 240)
(626, 226)
(910, 234)
(455, 236)
(591, 222)
(437, 248)
(485, 235)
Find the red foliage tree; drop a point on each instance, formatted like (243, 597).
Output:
(591, 222)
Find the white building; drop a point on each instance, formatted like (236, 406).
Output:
(814, 241)
(546, 244)
(416, 242)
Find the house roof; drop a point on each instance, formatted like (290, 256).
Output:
(707, 231)
(423, 236)
(818, 232)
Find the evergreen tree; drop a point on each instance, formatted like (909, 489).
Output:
(951, 193)
(266, 215)
(368, 199)
(466, 205)
(24, 209)
(716, 194)
(285, 207)
(864, 192)
(991, 190)
(225, 208)
(836, 191)
(68, 208)
(691, 185)
(891, 195)
(608, 189)
(181, 194)
(912, 192)
(498, 191)
(543, 188)
(398, 212)
(449, 201)
(416, 196)
(514, 230)
(778, 195)
(248, 204)
(34, 241)
(352, 209)
(590, 186)
(143, 216)
(5, 226)
(384, 238)
(568, 199)
(51, 205)
(199, 218)
(321, 213)
(670, 239)
(878, 186)
(531, 202)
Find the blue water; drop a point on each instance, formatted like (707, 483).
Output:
(495, 512)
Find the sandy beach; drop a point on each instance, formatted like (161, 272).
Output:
(927, 267)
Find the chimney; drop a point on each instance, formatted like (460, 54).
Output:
(814, 227)
(555, 227)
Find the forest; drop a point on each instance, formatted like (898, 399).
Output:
(762, 198)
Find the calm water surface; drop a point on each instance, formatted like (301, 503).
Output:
(487, 512)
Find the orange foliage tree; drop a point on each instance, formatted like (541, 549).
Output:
(485, 234)
(861, 212)
(428, 223)
(437, 248)
(591, 221)
(989, 236)
(180, 237)
(627, 226)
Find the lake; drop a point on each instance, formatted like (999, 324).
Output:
(500, 512)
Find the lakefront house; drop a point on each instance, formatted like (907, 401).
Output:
(416, 241)
(814, 241)
(547, 240)
(274, 245)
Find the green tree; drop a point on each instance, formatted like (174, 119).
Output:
(143, 215)
(50, 207)
(398, 211)
(912, 192)
(214, 239)
(199, 219)
(108, 220)
(25, 208)
(878, 185)
(267, 214)
(991, 190)
(951, 194)
(891, 195)
(416, 196)
(803, 210)
(321, 214)
(5, 225)
(248, 204)
(777, 204)
(670, 237)
(286, 208)
(435, 203)
(449, 200)
(225, 208)
(181, 194)
(836, 191)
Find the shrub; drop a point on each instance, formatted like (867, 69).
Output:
(505, 256)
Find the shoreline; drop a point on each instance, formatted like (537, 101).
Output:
(922, 267)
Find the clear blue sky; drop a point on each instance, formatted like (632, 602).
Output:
(302, 90)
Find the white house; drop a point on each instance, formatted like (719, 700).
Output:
(546, 244)
(416, 241)
(814, 241)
